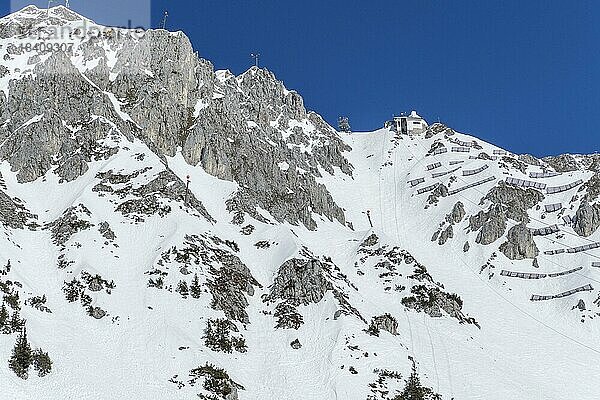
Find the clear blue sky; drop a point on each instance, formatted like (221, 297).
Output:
(522, 74)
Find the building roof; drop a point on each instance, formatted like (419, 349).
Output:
(412, 116)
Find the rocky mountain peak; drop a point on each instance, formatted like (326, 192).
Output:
(32, 20)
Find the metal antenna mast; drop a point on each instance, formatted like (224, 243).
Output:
(164, 21)
(48, 10)
(187, 190)
(255, 57)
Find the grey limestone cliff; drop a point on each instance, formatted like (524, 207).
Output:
(249, 128)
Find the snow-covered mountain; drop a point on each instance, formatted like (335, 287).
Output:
(302, 263)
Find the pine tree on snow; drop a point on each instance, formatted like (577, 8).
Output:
(182, 289)
(16, 322)
(21, 358)
(195, 289)
(414, 390)
(4, 322)
(41, 362)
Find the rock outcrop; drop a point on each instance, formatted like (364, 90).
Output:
(299, 282)
(562, 163)
(385, 322)
(587, 219)
(71, 222)
(248, 129)
(457, 213)
(227, 278)
(516, 200)
(148, 198)
(507, 201)
(490, 224)
(446, 234)
(592, 188)
(529, 159)
(520, 244)
(432, 301)
(13, 213)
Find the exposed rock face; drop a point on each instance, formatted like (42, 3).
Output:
(507, 202)
(299, 282)
(529, 159)
(516, 200)
(13, 214)
(147, 197)
(594, 163)
(216, 382)
(105, 231)
(592, 188)
(97, 312)
(562, 163)
(446, 234)
(248, 129)
(227, 278)
(386, 322)
(491, 224)
(36, 137)
(302, 281)
(433, 301)
(69, 224)
(437, 129)
(230, 284)
(587, 219)
(434, 146)
(457, 214)
(466, 247)
(370, 241)
(520, 244)
(514, 164)
(225, 145)
(440, 191)
(95, 285)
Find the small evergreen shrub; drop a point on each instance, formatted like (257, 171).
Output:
(218, 337)
(182, 289)
(73, 290)
(414, 390)
(42, 363)
(195, 289)
(22, 357)
(4, 321)
(16, 323)
(216, 381)
(156, 283)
